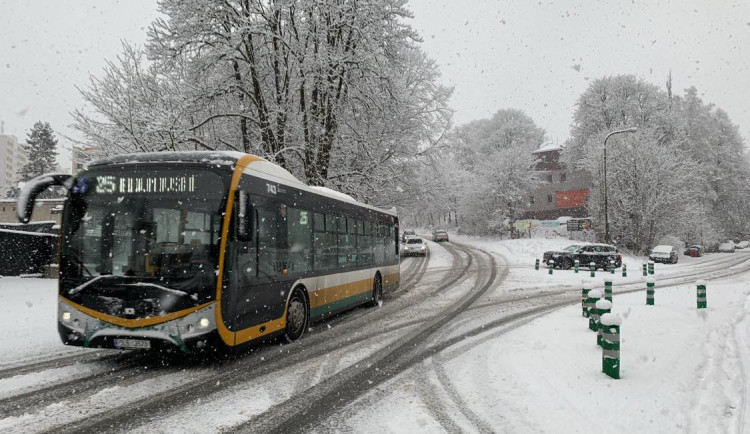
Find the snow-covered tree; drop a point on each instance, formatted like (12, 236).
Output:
(337, 92)
(41, 146)
(687, 157)
(496, 156)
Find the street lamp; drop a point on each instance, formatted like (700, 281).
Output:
(606, 209)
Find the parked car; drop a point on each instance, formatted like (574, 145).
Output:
(414, 246)
(664, 253)
(439, 235)
(696, 250)
(726, 247)
(743, 245)
(407, 233)
(599, 254)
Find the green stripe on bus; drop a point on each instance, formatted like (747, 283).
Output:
(330, 307)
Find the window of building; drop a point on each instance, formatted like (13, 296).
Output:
(562, 177)
(549, 179)
(549, 198)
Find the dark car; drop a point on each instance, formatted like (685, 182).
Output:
(406, 234)
(439, 236)
(696, 250)
(599, 254)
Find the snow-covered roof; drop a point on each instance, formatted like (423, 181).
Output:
(548, 147)
(260, 167)
(662, 249)
(212, 157)
(333, 193)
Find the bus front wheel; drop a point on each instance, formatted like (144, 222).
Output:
(297, 316)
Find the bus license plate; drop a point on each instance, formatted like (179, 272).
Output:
(135, 344)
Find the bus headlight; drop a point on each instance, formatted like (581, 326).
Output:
(66, 316)
(203, 323)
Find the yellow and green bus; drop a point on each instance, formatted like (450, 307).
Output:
(186, 250)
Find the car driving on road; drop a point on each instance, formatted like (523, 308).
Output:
(439, 235)
(406, 234)
(599, 254)
(414, 246)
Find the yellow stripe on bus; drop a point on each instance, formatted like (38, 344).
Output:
(339, 292)
(134, 323)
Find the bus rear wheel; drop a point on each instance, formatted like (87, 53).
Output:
(377, 291)
(297, 316)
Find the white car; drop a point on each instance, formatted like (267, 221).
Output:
(414, 246)
(664, 253)
(726, 247)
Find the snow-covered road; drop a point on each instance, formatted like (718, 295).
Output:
(467, 344)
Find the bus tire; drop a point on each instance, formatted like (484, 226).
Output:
(377, 291)
(297, 315)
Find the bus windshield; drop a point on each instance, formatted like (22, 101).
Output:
(138, 230)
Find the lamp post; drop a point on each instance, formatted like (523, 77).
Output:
(606, 203)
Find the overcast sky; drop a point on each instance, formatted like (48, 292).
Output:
(534, 56)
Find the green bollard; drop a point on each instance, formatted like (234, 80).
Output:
(592, 267)
(536, 264)
(611, 344)
(651, 267)
(702, 300)
(576, 264)
(585, 305)
(602, 307)
(645, 270)
(650, 291)
(594, 296)
(551, 264)
(624, 270)
(608, 288)
(611, 267)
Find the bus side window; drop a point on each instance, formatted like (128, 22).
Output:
(364, 244)
(377, 241)
(299, 235)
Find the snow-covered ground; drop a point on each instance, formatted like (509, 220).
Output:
(683, 369)
(28, 319)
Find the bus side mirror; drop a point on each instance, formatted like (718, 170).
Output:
(32, 189)
(244, 217)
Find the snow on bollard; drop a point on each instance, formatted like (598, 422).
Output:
(608, 288)
(611, 344)
(603, 307)
(650, 291)
(624, 270)
(585, 305)
(594, 296)
(611, 266)
(702, 300)
(592, 267)
(576, 264)
(551, 264)
(651, 267)
(536, 264)
(645, 270)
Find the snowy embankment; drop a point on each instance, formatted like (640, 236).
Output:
(683, 369)
(28, 320)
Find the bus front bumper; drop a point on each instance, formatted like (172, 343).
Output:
(190, 333)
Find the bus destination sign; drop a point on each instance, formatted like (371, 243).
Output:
(109, 184)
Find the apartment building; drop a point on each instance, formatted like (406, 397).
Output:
(13, 156)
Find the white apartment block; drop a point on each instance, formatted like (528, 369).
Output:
(13, 156)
